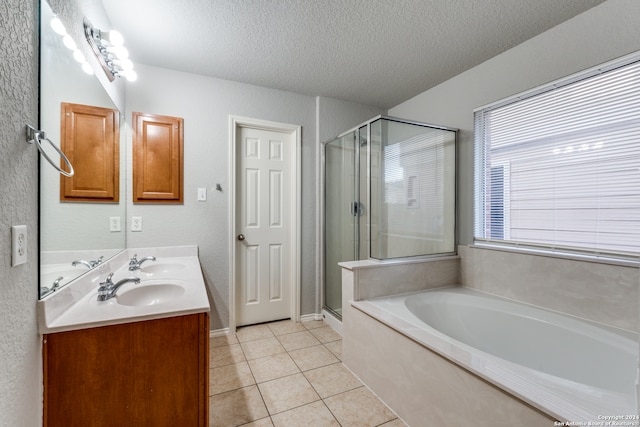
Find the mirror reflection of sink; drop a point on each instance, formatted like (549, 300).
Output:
(161, 268)
(48, 277)
(145, 295)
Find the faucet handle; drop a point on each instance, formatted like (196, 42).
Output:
(107, 280)
(56, 283)
(134, 260)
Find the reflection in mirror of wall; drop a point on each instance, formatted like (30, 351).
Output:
(73, 236)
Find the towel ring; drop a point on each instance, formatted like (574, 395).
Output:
(37, 137)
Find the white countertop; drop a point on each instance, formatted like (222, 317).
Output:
(75, 306)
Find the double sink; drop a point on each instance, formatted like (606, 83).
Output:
(172, 285)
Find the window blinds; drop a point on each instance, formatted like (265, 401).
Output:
(559, 168)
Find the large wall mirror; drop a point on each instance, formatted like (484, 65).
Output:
(74, 235)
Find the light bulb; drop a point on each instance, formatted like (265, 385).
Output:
(125, 64)
(115, 38)
(87, 68)
(68, 42)
(78, 56)
(120, 52)
(131, 75)
(58, 26)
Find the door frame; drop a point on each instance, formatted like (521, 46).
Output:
(295, 131)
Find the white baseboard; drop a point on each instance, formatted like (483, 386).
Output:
(332, 322)
(328, 318)
(311, 317)
(304, 318)
(218, 332)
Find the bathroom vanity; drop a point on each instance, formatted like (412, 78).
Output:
(140, 358)
(150, 373)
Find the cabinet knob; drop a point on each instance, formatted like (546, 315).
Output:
(241, 237)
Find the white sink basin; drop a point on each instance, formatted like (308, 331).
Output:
(145, 295)
(161, 268)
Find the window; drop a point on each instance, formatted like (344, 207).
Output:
(559, 167)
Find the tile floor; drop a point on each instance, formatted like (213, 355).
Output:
(288, 374)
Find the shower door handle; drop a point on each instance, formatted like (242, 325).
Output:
(356, 208)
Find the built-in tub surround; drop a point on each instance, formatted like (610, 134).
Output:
(418, 382)
(176, 275)
(421, 386)
(570, 369)
(602, 292)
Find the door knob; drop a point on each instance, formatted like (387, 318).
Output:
(241, 237)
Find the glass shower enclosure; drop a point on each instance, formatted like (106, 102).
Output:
(389, 192)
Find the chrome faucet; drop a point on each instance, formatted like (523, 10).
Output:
(56, 285)
(134, 264)
(96, 262)
(83, 262)
(88, 264)
(108, 289)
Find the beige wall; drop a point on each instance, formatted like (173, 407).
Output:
(600, 34)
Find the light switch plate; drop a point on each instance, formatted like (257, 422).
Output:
(202, 194)
(18, 244)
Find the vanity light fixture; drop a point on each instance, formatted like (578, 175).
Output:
(112, 55)
(68, 41)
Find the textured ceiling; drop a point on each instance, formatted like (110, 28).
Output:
(375, 52)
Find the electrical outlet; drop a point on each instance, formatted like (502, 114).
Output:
(18, 244)
(114, 223)
(136, 223)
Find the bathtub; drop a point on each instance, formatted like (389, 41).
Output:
(570, 369)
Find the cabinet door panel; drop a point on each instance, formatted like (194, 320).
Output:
(157, 159)
(90, 137)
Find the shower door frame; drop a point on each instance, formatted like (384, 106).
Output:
(322, 242)
(323, 192)
(323, 220)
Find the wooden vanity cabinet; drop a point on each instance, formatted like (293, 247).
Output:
(149, 373)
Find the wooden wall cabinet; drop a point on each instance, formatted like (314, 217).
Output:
(149, 373)
(158, 151)
(90, 137)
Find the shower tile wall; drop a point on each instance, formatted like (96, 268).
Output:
(600, 292)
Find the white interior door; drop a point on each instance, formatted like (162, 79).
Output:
(264, 274)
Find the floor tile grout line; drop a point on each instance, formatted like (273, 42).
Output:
(299, 406)
(322, 399)
(300, 348)
(331, 412)
(295, 407)
(257, 387)
(260, 393)
(234, 362)
(295, 363)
